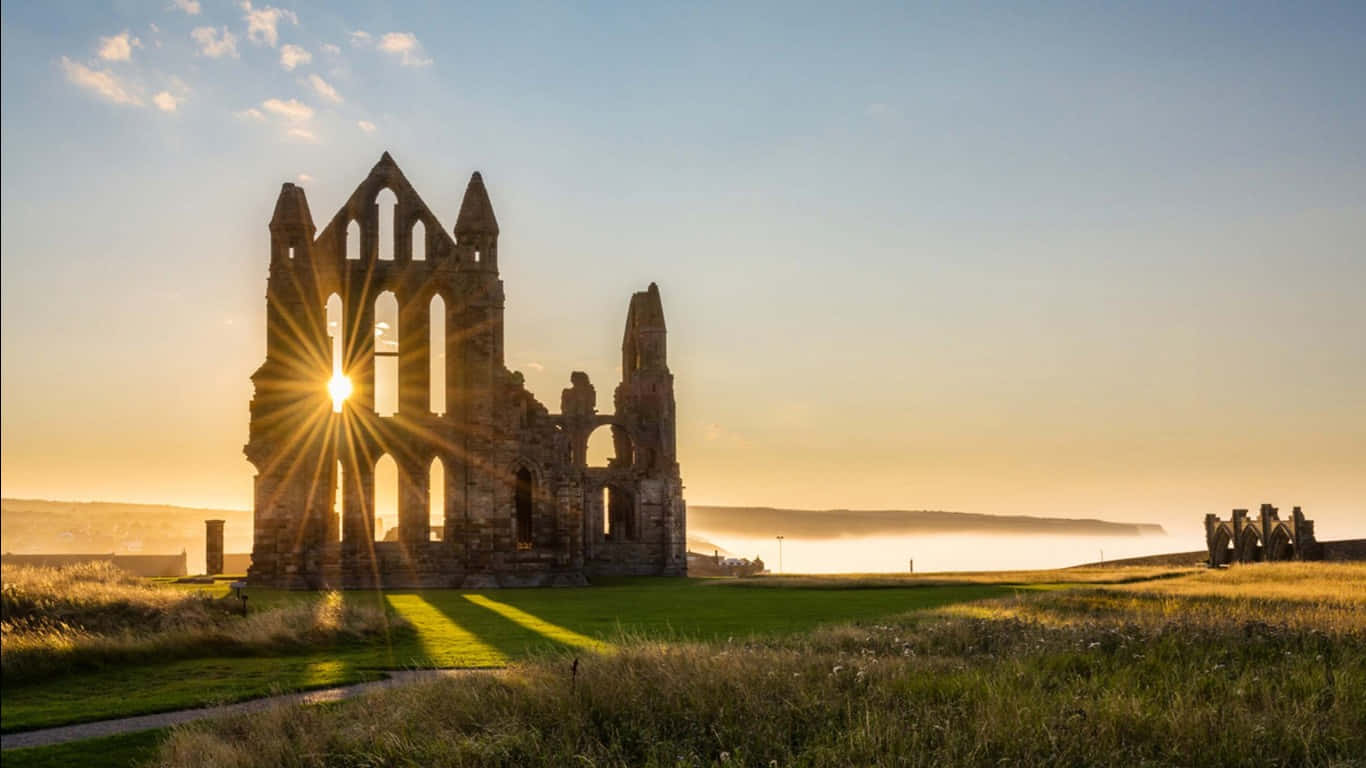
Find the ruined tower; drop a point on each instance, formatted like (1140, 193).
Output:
(517, 504)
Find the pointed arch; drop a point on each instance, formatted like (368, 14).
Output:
(386, 354)
(418, 238)
(386, 496)
(436, 500)
(353, 243)
(436, 340)
(386, 234)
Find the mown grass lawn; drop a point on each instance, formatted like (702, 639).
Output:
(455, 628)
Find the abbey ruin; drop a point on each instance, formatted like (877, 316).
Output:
(1241, 539)
(493, 488)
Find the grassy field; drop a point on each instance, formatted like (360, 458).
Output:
(429, 628)
(1257, 665)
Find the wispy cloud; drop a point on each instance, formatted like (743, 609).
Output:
(360, 38)
(537, 367)
(166, 102)
(405, 46)
(329, 48)
(304, 178)
(100, 82)
(190, 7)
(251, 113)
(118, 47)
(215, 43)
(366, 126)
(323, 89)
(293, 111)
(302, 134)
(263, 24)
(292, 56)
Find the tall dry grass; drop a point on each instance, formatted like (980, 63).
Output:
(1109, 686)
(55, 620)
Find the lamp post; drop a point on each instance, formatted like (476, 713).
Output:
(780, 555)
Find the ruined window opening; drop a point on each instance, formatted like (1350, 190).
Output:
(436, 336)
(601, 447)
(523, 503)
(620, 514)
(339, 505)
(338, 385)
(603, 506)
(436, 501)
(386, 496)
(386, 354)
(476, 257)
(291, 253)
(385, 232)
(419, 241)
(353, 241)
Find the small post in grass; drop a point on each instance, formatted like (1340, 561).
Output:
(237, 587)
(780, 555)
(574, 674)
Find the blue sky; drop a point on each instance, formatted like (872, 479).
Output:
(1079, 258)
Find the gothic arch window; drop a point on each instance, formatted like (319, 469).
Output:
(436, 338)
(386, 496)
(419, 241)
(386, 233)
(353, 241)
(386, 354)
(436, 501)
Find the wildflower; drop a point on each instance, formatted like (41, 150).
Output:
(725, 757)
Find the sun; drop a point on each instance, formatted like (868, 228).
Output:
(340, 388)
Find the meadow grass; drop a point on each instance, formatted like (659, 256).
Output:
(1208, 668)
(90, 616)
(449, 628)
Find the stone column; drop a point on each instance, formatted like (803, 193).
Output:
(213, 547)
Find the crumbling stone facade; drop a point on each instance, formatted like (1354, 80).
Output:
(521, 507)
(1242, 540)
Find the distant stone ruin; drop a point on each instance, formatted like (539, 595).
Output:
(517, 503)
(1268, 538)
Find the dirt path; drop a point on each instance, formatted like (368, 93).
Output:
(62, 734)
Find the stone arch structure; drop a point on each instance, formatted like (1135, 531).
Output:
(489, 429)
(1242, 539)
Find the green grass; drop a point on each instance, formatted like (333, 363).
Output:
(1254, 666)
(122, 751)
(454, 628)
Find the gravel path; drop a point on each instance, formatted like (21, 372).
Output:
(62, 734)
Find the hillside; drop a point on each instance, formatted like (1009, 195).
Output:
(51, 527)
(831, 523)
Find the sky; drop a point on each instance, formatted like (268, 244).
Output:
(1081, 259)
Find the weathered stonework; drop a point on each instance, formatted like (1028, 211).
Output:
(521, 506)
(1242, 540)
(213, 547)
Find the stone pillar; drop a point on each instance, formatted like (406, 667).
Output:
(213, 547)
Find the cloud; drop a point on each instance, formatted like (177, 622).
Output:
(365, 126)
(323, 89)
(214, 45)
(330, 49)
(293, 111)
(360, 38)
(190, 7)
(292, 56)
(165, 101)
(303, 134)
(878, 109)
(119, 47)
(101, 82)
(304, 178)
(406, 47)
(263, 25)
(251, 113)
(537, 367)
